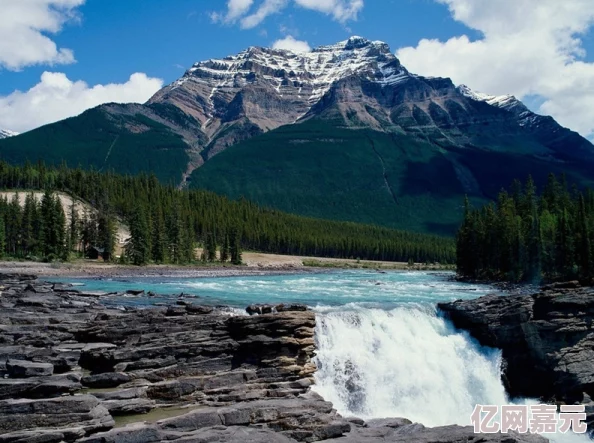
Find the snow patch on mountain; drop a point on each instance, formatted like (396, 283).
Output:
(5, 133)
(501, 101)
(313, 72)
(508, 102)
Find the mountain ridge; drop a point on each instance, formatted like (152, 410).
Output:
(324, 109)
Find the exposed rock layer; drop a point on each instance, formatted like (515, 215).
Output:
(547, 340)
(71, 365)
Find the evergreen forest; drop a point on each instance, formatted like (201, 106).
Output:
(167, 224)
(527, 236)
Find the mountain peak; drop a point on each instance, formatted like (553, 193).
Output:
(301, 79)
(356, 43)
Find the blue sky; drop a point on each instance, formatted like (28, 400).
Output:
(115, 38)
(536, 49)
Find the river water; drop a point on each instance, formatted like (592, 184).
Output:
(383, 348)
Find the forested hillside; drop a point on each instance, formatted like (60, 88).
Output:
(343, 132)
(166, 224)
(525, 236)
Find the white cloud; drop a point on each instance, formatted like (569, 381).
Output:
(23, 28)
(341, 10)
(237, 10)
(527, 47)
(56, 97)
(291, 44)
(268, 7)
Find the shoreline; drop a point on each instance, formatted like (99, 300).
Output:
(178, 372)
(256, 264)
(102, 271)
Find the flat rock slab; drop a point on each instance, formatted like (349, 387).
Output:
(419, 434)
(25, 369)
(80, 411)
(106, 380)
(40, 387)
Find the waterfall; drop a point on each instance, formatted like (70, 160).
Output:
(406, 362)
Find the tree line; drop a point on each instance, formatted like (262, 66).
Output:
(167, 225)
(527, 236)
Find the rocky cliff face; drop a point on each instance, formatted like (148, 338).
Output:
(547, 340)
(260, 89)
(75, 370)
(356, 83)
(272, 87)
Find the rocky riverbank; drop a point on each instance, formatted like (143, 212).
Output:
(546, 338)
(75, 370)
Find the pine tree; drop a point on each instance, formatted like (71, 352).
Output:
(175, 235)
(235, 247)
(47, 220)
(89, 235)
(60, 229)
(29, 225)
(106, 235)
(13, 226)
(158, 242)
(138, 248)
(584, 247)
(2, 237)
(211, 248)
(224, 253)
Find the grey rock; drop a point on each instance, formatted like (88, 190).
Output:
(291, 307)
(82, 411)
(247, 378)
(25, 369)
(235, 434)
(420, 434)
(129, 406)
(192, 420)
(106, 380)
(40, 387)
(123, 394)
(546, 338)
(198, 309)
(135, 433)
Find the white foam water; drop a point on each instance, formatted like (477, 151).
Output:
(406, 362)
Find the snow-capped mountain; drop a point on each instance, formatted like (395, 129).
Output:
(299, 78)
(260, 89)
(357, 81)
(5, 133)
(343, 131)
